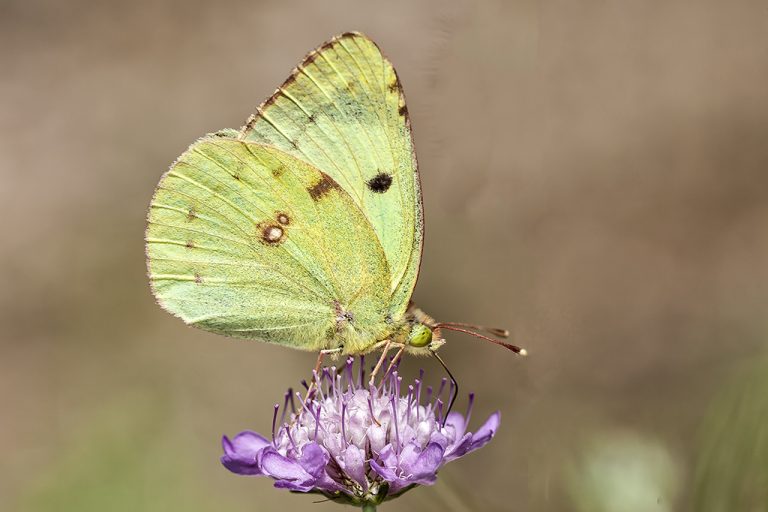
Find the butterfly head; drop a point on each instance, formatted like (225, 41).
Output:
(423, 336)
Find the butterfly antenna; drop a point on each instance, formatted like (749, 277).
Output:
(495, 331)
(508, 346)
(455, 384)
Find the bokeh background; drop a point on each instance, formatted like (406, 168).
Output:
(595, 178)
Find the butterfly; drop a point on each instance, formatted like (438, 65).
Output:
(305, 227)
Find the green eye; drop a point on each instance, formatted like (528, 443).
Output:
(420, 336)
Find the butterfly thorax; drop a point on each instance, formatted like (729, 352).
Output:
(415, 330)
(355, 341)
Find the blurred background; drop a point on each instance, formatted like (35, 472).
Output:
(608, 158)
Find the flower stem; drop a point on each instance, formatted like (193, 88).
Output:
(369, 507)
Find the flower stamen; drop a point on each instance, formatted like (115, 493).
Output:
(440, 419)
(343, 418)
(394, 419)
(469, 406)
(274, 421)
(370, 407)
(287, 397)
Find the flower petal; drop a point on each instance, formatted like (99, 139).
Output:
(313, 459)
(280, 467)
(424, 431)
(241, 453)
(486, 432)
(426, 465)
(239, 467)
(457, 423)
(293, 486)
(352, 461)
(388, 457)
(459, 448)
(408, 457)
(377, 435)
(387, 473)
(439, 438)
(244, 444)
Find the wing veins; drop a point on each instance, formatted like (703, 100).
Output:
(185, 228)
(367, 96)
(212, 263)
(362, 126)
(395, 164)
(212, 192)
(314, 81)
(261, 211)
(319, 245)
(315, 142)
(161, 206)
(367, 273)
(197, 247)
(333, 293)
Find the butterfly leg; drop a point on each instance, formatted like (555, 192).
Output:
(323, 353)
(316, 372)
(396, 358)
(386, 344)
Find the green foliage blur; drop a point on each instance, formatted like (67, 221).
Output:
(126, 458)
(623, 472)
(731, 466)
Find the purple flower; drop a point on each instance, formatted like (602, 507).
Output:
(359, 445)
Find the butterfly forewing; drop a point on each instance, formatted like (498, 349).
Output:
(343, 111)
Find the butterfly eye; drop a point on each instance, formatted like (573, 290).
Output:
(421, 336)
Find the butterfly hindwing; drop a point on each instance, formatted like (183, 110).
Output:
(343, 111)
(246, 240)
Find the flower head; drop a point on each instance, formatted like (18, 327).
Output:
(359, 444)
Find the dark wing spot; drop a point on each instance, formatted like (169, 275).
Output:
(236, 176)
(198, 278)
(403, 111)
(190, 244)
(312, 118)
(272, 234)
(251, 121)
(324, 185)
(283, 218)
(290, 80)
(278, 171)
(395, 84)
(191, 214)
(380, 183)
(271, 99)
(310, 59)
